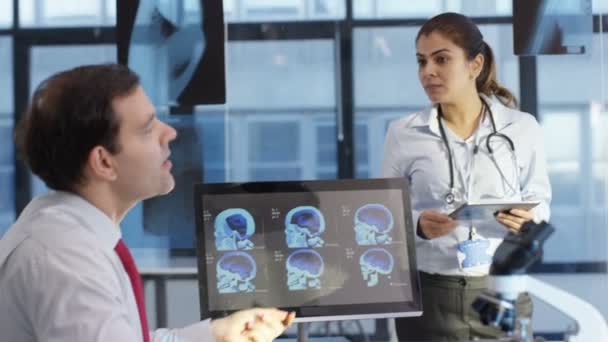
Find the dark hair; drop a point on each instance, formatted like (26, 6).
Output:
(69, 114)
(463, 32)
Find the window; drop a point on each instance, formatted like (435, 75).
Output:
(7, 164)
(327, 149)
(574, 128)
(365, 9)
(599, 7)
(599, 155)
(212, 124)
(563, 160)
(55, 13)
(281, 101)
(284, 10)
(6, 14)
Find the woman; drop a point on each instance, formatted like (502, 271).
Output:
(471, 145)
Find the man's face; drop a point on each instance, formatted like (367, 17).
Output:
(142, 165)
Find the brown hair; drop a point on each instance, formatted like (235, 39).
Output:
(463, 32)
(69, 114)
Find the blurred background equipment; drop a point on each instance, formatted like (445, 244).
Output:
(552, 27)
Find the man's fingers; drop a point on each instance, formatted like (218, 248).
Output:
(276, 314)
(273, 324)
(265, 331)
(269, 323)
(289, 319)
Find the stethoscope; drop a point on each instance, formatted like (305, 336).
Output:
(450, 197)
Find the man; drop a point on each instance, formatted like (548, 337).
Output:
(91, 134)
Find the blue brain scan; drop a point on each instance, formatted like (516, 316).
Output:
(303, 227)
(235, 273)
(373, 224)
(375, 262)
(304, 270)
(233, 229)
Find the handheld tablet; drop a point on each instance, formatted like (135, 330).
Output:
(487, 210)
(335, 249)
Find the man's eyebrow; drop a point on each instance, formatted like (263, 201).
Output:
(434, 52)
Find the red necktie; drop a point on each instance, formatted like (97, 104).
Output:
(129, 264)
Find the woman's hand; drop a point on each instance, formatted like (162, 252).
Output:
(514, 219)
(434, 224)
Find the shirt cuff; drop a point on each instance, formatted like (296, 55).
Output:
(417, 231)
(200, 331)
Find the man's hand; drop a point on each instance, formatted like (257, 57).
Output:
(514, 219)
(434, 224)
(253, 325)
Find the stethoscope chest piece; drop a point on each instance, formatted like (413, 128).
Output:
(449, 197)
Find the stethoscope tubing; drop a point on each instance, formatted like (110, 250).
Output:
(450, 197)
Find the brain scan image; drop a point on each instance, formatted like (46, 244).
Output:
(304, 270)
(233, 229)
(374, 263)
(373, 224)
(304, 226)
(235, 273)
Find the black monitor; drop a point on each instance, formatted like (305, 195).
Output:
(552, 27)
(176, 47)
(334, 249)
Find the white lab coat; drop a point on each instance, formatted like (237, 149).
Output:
(414, 150)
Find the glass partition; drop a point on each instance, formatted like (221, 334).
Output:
(574, 124)
(7, 161)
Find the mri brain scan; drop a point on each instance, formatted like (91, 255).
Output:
(373, 224)
(235, 273)
(232, 229)
(304, 270)
(374, 263)
(304, 226)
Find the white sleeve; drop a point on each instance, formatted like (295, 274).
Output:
(198, 332)
(390, 162)
(534, 177)
(392, 167)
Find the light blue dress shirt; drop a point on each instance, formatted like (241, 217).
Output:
(61, 280)
(414, 150)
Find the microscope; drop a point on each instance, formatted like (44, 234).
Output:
(508, 278)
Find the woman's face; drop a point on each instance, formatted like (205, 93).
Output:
(443, 69)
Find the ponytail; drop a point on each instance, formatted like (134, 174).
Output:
(486, 81)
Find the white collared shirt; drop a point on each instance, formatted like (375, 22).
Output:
(414, 149)
(61, 280)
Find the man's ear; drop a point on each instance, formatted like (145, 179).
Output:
(101, 164)
(476, 65)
